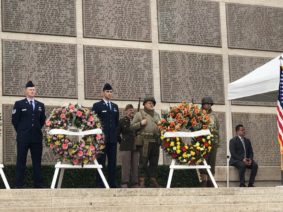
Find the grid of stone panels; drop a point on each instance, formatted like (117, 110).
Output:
(51, 66)
(189, 22)
(9, 138)
(242, 65)
(254, 27)
(129, 71)
(125, 20)
(186, 76)
(56, 17)
(261, 129)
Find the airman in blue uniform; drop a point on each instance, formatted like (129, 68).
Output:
(28, 117)
(108, 114)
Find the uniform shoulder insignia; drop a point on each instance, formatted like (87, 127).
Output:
(14, 111)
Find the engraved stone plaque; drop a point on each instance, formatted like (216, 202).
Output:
(51, 66)
(254, 27)
(191, 76)
(54, 17)
(9, 140)
(129, 71)
(261, 129)
(189, 22)
(242, 65)
(125, 20)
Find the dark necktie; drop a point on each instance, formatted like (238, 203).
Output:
(30, 103)
(108, 105)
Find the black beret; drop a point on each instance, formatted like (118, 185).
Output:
(107, 87)
(29, 84)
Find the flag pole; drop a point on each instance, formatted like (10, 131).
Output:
(281, 147)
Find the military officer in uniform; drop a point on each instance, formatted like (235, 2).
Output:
(128, 152)
(147, 141)
(108, 114)
(28, 118)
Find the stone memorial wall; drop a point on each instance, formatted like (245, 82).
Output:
(175, 50)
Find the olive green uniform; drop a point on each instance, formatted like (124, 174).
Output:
(147, 142)
(214, 128)
(128, 152)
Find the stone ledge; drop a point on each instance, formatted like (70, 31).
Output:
(265, 173)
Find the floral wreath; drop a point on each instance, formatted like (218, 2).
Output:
(191, 117)
(81, 151)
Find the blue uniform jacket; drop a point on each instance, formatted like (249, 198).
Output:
(28, 122)
(109, 119)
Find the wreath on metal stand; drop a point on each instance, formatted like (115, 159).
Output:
(78, 119)
(186, 117)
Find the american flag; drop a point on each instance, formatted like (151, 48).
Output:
(280, 110)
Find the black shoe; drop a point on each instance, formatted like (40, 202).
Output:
(251, 185)
(242, 185)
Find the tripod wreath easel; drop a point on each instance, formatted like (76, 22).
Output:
(60, 168)
(173, 164)
(4, 177)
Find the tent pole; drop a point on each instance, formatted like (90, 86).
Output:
(229, 134)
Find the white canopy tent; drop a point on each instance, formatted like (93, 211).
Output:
(263, 79)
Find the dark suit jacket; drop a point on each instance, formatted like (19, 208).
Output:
(28, 122)
(109, 119)
(237, 150)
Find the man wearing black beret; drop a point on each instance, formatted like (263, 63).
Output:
(28, 117)
(108, 114)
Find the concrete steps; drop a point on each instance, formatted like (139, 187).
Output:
(176, 199)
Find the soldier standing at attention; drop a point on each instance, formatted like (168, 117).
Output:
(128, 152)
(207, 103)
(28, 117)
(108, 114)
(147, 141)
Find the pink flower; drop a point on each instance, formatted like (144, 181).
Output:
(79, 113)
(91, 118)
(51, 146)
(72, 107)
(98, 136)
(65, 146)
(47, 122)
(92, 148)
(62, 116)
(82, 145)
(75, 162)
(80, 153)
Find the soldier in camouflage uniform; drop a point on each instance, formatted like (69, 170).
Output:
(147, 141)
(207, 102)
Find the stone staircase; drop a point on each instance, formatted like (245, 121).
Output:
(130, 200)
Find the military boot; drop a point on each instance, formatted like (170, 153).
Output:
(153, 183)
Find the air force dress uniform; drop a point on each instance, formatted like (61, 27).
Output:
(108, 114)
(28, 118)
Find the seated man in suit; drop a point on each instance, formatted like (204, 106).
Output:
(242, 156)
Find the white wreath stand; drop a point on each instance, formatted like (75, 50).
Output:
(173, 165)
(4, 177)
(59, 167)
